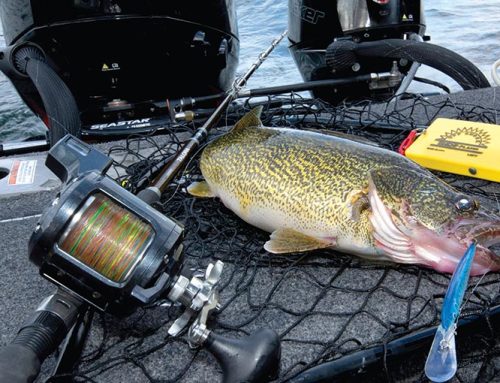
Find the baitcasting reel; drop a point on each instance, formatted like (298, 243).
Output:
(106, 247)
(101, 242)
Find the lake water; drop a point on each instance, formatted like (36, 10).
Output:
(471, 28)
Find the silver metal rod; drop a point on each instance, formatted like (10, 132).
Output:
(412, 71)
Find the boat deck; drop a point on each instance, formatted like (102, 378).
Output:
(282, 296)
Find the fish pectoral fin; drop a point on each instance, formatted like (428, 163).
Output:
(200, 189)
(357, 201)
(252, 118)
(291, 241)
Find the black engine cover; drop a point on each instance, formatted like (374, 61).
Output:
(136, 51)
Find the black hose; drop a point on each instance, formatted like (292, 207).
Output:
(345, 53)
(303, 86)
(63, 116)
(433, 83)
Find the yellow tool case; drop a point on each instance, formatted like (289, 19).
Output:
(459, 147)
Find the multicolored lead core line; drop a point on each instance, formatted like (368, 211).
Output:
(106, 237)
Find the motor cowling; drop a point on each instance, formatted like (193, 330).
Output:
(316, 24)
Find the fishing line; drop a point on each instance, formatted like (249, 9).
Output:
(106, 237)
(473, 290)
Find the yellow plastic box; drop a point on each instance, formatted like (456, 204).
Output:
(460, 147)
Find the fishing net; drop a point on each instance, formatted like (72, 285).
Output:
(324, 305)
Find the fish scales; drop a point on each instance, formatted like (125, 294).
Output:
(313, 190)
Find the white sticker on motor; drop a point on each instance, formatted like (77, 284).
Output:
(22, 172)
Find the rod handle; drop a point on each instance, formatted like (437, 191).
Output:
(18, 364)
(20, 361)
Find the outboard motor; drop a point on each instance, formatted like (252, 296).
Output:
(344, 38)
(104, 66)
(314, 25)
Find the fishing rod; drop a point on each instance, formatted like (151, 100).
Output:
(108, 249)
(188, 102)
(153, 192)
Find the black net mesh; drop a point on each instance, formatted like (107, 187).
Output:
(324, 305)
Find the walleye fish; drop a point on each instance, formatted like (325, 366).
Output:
(316, 191)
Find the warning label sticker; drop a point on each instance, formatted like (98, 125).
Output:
(106, 68)
(22, 172)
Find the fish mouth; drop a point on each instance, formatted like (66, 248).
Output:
(485, 230)
(413, 243)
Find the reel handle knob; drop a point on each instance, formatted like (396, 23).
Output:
(255, 358)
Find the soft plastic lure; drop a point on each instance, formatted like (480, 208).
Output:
(441, 364)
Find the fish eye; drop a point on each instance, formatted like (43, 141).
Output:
(465, 204)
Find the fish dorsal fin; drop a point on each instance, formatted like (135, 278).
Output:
(252, 118)
(285, 240)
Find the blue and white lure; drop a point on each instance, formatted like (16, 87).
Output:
(441, 364)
